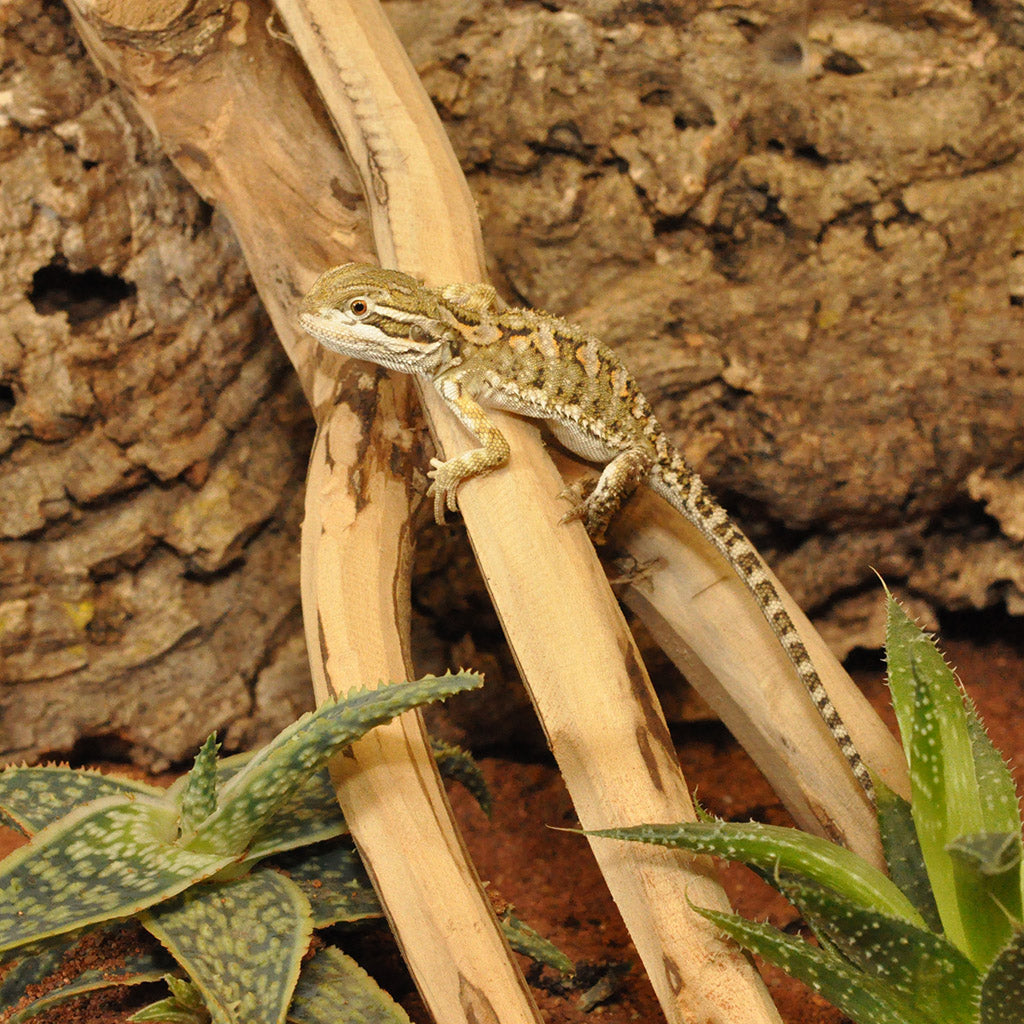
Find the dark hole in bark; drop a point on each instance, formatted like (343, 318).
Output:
(842, 64)
(82, 295)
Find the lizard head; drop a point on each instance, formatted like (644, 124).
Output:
(380, 315)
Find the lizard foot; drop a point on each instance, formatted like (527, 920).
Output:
(577, 494)
(580, 494)
(445, 480)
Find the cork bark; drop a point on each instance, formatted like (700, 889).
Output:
(152, 436)
(799, 224)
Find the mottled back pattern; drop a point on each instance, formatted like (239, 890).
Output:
(480, 356)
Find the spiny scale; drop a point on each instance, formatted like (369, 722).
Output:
(481, 356)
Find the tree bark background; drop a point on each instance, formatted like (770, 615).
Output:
(799, 223)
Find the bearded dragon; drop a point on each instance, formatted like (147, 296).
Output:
(479, 356)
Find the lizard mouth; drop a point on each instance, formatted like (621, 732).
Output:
(314, 323)
(329, 333)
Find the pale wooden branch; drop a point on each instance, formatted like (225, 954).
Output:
(266, 158)
(234, 109)
(567, 633)
(703, 617)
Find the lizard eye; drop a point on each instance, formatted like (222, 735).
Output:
(359, 307)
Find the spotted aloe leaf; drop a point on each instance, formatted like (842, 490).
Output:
(920, 969)
(772, 849)
(523, 939)
(1001, 818)
(339, 890)
(32, 797)
(39, 983)
(903, 853)
(1000, 809)
(954, 852)
(333, 879)
(864, 999)
(959, 791)
(241, 943)
(183, 859)
(250, 798)
(333, 987)
(108, 859)
(309, 815)
(199, 795)
(26, 972)
(226, 768)
(455, 763)
(183, 1006)
(1002, 991)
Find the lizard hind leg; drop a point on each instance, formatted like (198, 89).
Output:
(619, 479)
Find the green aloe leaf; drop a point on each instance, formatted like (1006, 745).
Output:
(1002, 991)
(199, 795)
(989, 853)
(339, 890)
(105, 860)
(933, 975)
(241, 943)
(309, 815)
(333, 879)
(946, 801)
(26, 972)
(315, 801)
(999, 807)
(903, 853)
(523, 939)
(772, 849)
(183, 1006)
(227, 768)
(134, 970)
(864, 999)
(40, 982)
(252, 796)
(333, 988)
(33, 797)
(1000, 810)
(455, 763)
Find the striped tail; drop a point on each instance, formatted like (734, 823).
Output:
(682, 488)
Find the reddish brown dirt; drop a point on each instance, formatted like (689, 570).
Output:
(552, 879)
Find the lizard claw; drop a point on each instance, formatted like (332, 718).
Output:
(438, 497)
(576, 512)
(583, 507)
(443, 489)
(577, 494)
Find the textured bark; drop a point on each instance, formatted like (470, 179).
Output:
(153, 436)
(798, 224)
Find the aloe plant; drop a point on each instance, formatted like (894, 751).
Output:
(940, 939)
(231, 869)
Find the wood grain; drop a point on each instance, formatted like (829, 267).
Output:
(235, 110)
(566, 631)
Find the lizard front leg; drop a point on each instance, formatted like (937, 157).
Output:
(455, 388)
